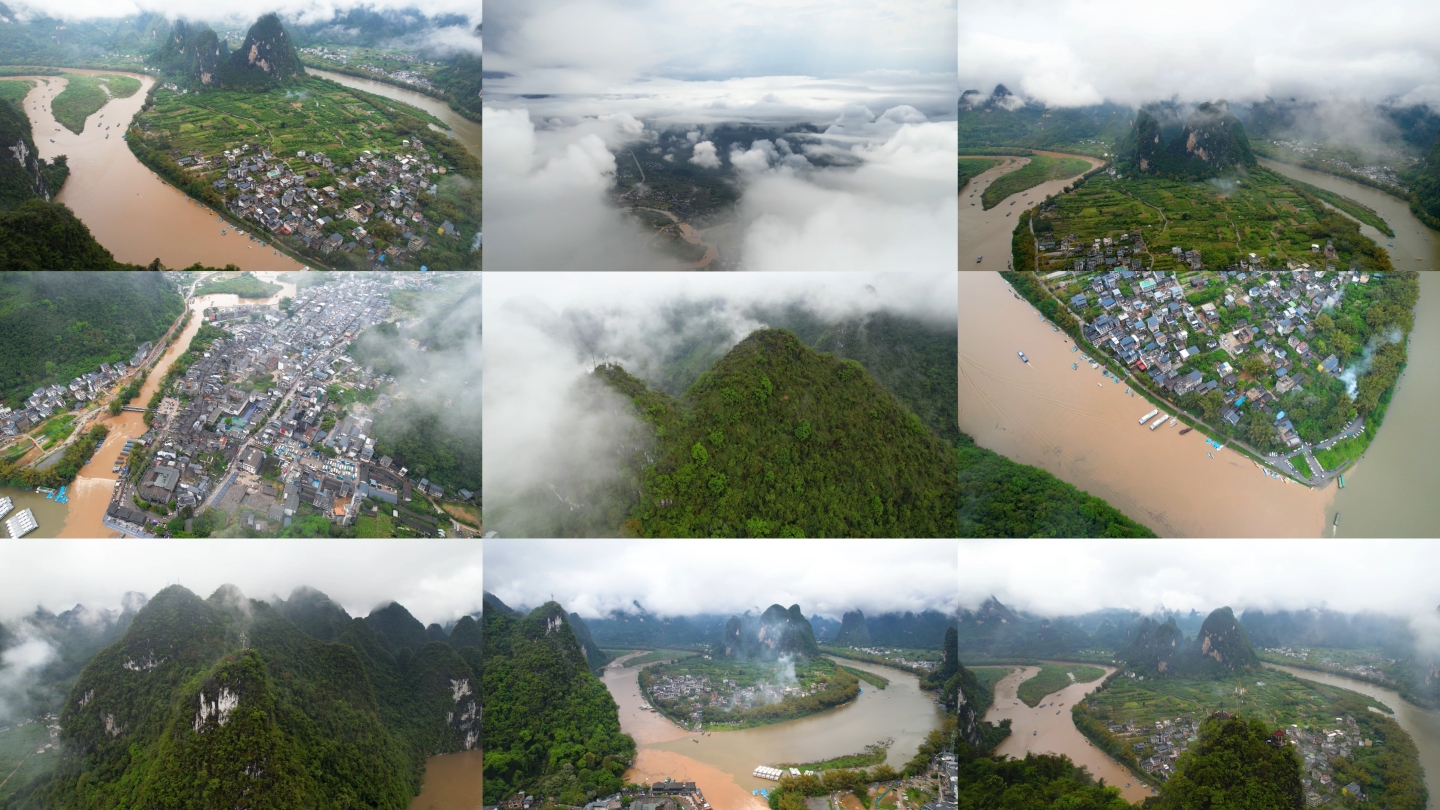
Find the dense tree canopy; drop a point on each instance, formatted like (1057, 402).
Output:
(551, 726)
(777, 440)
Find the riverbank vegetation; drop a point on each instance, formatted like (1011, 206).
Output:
(62, 472)
(971, 167)
(244, 285)
(1052, 678)
(15, 91)
(335, 125)
(1040, 169)
(655, 656)
(1360, 211)
(85, 94)
(874, 754)
(878, 681)
(1002, 498)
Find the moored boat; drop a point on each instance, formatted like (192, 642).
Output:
(1146, 417)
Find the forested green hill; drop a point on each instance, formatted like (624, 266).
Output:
(1426, 188)
(1001, 498)
(224, 702)
(551, 727)
(55, 326)
(778, 440)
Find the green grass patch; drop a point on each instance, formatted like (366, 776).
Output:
(56, 430)
(244, 285)
(1338, 454)
(382, 526)
(878, 681)
(15, 91)
(1301, 466)
(970, 167)
(84, 95)
(1040, 169)
(660, 655)
(1053, 678)
(989, 676)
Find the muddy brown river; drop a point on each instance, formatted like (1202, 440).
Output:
(722, 762)
(132, 212)
(452, 782)
(1049, 729)
(985, 235)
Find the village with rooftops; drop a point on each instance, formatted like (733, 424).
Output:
(1270, 359)
(273, 423)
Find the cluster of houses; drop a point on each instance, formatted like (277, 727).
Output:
(1157, 748)
(49, 400)
(1144, 320)
(1369, 672)
(1319, 748)
(229, 411)
(899, 657)
(323, 206)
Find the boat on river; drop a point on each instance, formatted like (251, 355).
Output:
(1342, 482)
(6, 504)
(1023, 357)
(1074, 366)
(1186, 430)
(1157, 423)
(1146, 417)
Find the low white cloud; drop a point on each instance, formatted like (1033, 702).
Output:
(705, 155)
(436, 580)
(695, 577)
(1069, 53)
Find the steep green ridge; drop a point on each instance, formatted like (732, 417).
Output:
(1221, 648)
(22, 171)
(194, 57)
(551, 726)
(1001, 498)
(777, 632)
(461, 80)
(56, 326)
(226, 702)
(1037, 782)
(779, 440)
(1208, 143)
(1425, 189)
(853, 632)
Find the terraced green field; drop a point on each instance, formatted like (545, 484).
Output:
(1040, 169)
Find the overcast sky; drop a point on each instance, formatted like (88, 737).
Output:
(307, 10)
(687, 577)
(436, 580)
(608, 46)
(1067, 577)
(1078, 52)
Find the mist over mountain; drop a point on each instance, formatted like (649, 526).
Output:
(195, 57)
(284, 719)
(853, 631)
(777, 633)
(1207, 142)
